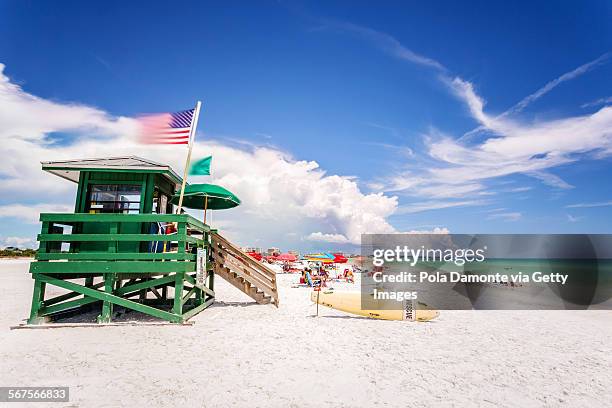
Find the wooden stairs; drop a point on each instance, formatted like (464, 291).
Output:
(245, 273)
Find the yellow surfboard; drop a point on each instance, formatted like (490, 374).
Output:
(350, 302)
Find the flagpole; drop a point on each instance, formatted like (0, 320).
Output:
(192, 134)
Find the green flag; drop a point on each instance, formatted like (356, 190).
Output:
(201, 167)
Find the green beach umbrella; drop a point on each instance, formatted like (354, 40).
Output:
(207, 197)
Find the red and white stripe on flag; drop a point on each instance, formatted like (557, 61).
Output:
(166, 128)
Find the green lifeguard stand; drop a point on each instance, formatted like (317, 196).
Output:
(122, 245)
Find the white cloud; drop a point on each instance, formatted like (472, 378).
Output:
(402, 150)
(521, 105)
(26, 122)
(598, 102)
(511, 146)
(436, 230)
(461, 169)
(530, 148)
(572, 218)
(506, 216)
(590, 205)
(465, 91)
(436, 205)
(492, 210)
(19, 242)
(279, 193)
(387, 43)
(341, 239)
(44, 116)
(582, 69)
(518, 189)
(444, 191)
(331, 238)
(30, 213)
(292, 194)
(550, 179)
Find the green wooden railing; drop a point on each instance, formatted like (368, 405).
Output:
(117, 248)
(123, 261)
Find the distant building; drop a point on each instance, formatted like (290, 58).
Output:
(273, 251)
(253, 249)
(294, 252)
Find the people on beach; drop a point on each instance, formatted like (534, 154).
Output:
(318, 275)
(348, 276)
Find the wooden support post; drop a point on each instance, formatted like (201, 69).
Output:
(209, 262)
(200, 295)
(38, 298)
(155, 292)
(46, 229)
(165, 291)
(182, 231)
(107, 306)
(179, 280)
(211, 280)
(197, 309)
(143, 292)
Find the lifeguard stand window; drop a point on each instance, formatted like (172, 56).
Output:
(160, 203)
(111, 198)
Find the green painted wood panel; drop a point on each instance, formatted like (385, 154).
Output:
(111, 237)
(103, 256)
(76, 267)
(70, 219)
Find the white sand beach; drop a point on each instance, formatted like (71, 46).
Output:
(238, 353)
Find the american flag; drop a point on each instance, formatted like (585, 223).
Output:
(166, 128)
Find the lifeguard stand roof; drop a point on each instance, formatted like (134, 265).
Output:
(70, 169)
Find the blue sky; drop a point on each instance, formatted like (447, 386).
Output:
(368, 91)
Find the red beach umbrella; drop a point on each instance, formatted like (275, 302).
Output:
(339, 258)
(255, 255)
(287, 257)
